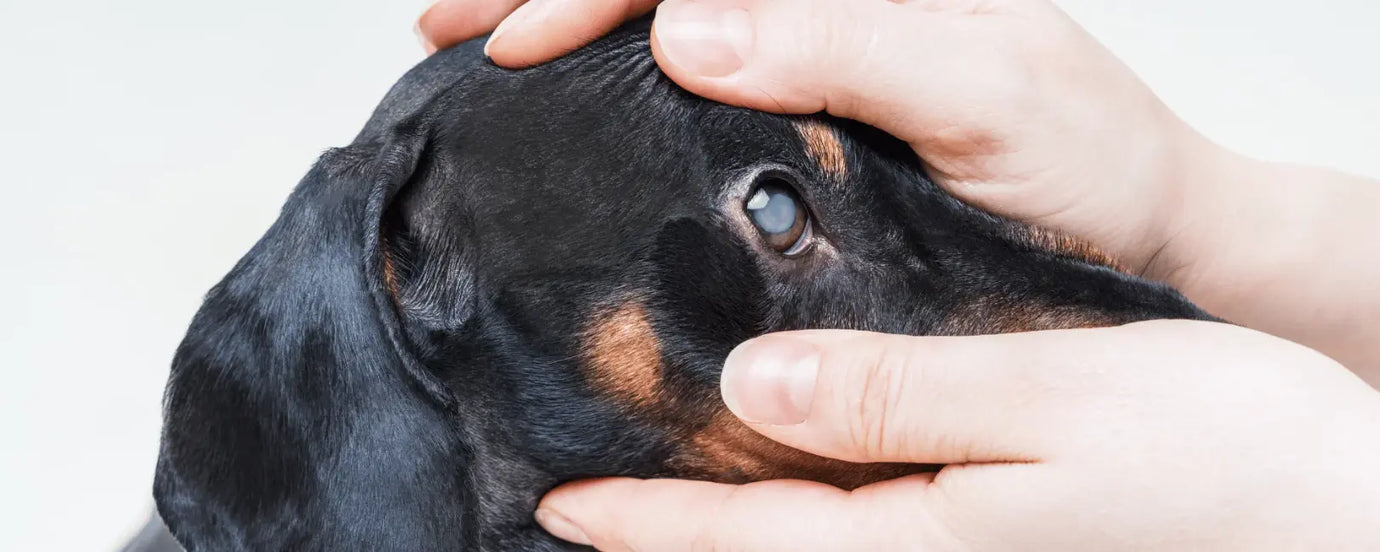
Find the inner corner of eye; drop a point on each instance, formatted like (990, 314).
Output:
(759, 200)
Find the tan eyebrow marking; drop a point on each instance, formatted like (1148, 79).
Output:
(623, 357)
(823, 145)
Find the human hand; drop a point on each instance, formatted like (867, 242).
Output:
(531, 31)
(1161, 435)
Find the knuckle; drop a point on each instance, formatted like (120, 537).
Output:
(876, 399)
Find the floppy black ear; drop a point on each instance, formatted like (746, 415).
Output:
(294, 417)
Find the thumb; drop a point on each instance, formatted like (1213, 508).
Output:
(869, 61)
(864, 397)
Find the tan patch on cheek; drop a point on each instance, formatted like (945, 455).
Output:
(824, 147)
(622, 355)
(623, 360)
(728, 451)
(1064, 244)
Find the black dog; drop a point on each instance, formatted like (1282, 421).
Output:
(515, 279)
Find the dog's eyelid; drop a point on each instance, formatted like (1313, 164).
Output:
(805, 244)
(745, 182)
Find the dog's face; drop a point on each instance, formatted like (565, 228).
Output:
(514, 279)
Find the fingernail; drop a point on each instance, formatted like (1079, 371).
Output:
(561, 527)
(515, 19)
(771, 380)
(422, 39)
(706, 39)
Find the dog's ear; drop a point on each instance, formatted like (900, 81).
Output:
(295, 419)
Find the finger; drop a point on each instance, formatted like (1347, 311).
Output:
(630, 514)
(543, 30)
(865, 397)
(450, 22)
(870, 60)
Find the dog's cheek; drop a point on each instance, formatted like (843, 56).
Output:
(706, 297)
(622, 355)
(727, 451)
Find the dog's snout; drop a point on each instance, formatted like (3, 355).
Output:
(1085, 296)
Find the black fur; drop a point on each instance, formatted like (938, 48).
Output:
(317, 405)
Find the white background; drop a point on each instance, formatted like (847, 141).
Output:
(145, 144)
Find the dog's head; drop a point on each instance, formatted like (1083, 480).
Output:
(514, 279)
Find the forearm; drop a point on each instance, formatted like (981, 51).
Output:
(1293, 251)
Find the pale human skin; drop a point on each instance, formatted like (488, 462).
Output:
(1161, 435)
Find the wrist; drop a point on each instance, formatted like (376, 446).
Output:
(1196, 193)
(1278, 248)
(1223, 234)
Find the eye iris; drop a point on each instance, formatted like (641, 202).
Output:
(779, 216)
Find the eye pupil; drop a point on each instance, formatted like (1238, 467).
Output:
(779, 215)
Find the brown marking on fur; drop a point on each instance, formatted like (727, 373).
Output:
(390, 271)
(1064, 244)
(727, 451)
(995, 315)
(1002, 314)
(824, 147)
(623, 357)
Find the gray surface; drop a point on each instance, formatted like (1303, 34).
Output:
(154, 537)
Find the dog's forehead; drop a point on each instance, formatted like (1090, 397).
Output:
(606, 125)
(608, 100)
(815, 145)
(582, 160)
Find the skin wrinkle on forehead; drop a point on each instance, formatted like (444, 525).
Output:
(823, 145)
(623, 357)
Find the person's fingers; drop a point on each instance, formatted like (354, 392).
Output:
(631, 514)
(865, 397)
(737, 51)
(543, 30)
(870, 60)
(450, 22)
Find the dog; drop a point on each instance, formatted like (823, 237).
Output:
(514, 279)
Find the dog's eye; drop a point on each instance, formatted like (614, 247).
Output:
(780, 217)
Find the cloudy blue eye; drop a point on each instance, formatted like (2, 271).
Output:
(780, 216)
